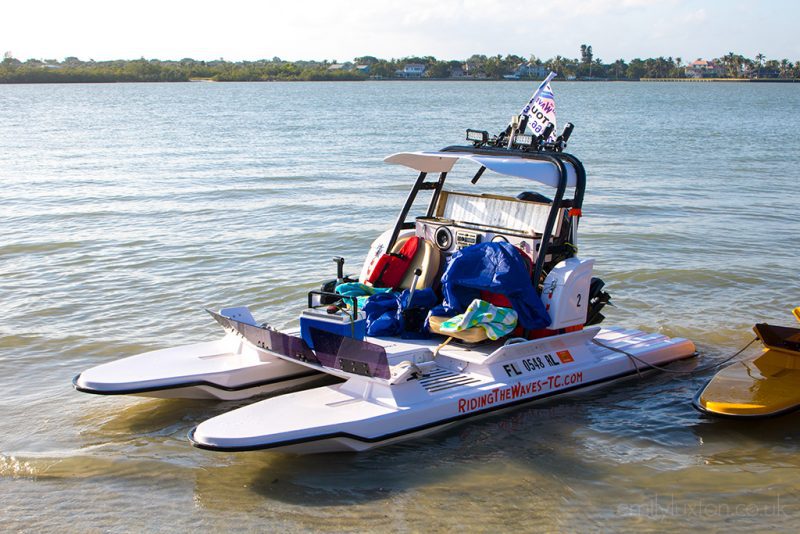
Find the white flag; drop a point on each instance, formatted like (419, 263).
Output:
(541, 108)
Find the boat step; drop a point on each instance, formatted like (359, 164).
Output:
(442, 379)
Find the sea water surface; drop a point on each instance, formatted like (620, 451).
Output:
(127, 209)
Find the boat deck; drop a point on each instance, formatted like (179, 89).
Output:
(421, 350)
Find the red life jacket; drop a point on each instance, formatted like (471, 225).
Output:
(390, 268)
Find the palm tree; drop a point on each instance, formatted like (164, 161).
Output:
(598, 67)
(760, 59)
(556, 64)
(785, 66)
(678, 70)
(535, 60)
(772, 67)
(729, 60)
(618, 64)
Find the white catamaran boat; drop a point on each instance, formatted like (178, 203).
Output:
(403, 384)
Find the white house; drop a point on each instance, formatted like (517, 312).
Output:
(528, 70)
(411, 70)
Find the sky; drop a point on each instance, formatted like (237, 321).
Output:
(446, 29)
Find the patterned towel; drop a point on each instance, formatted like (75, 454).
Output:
(361, 291)
(495, 320)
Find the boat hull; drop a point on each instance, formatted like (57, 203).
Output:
(364, 413)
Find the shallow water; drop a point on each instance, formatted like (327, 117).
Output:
(126, 209)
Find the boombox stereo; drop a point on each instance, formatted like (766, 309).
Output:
(450, 236)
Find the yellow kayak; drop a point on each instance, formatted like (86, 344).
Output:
(762, 386)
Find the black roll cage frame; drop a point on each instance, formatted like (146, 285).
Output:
(558, 159)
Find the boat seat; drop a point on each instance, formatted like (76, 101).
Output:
(428, 258)
(475, 334)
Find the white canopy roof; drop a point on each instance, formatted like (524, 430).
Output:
(541, 171)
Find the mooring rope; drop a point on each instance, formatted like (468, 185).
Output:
(635, 359)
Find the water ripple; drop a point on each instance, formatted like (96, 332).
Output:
(126, 212)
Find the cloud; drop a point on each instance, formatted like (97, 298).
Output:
(447, 29)
(695, 17)
(606, 7)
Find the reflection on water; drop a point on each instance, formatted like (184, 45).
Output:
(126, 212)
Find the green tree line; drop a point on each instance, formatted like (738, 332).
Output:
(72, 70)
(477, 66)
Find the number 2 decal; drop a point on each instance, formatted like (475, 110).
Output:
(579, 300)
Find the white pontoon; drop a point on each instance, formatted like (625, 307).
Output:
(228, 369)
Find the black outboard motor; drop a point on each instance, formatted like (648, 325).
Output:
(597, 301)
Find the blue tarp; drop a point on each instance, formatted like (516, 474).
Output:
(384, 312)
(495, 267)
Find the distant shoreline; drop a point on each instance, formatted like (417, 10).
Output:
(729, 68)
(400, 80)
(723, 80)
